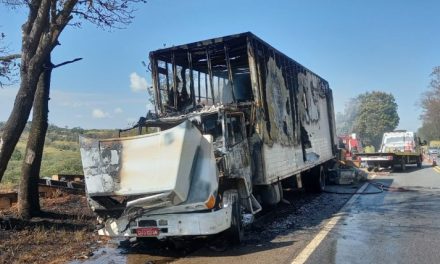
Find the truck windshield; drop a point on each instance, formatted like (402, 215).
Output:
(394, 140)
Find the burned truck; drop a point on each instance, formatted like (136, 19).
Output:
(236, 120)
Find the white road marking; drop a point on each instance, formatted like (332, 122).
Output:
(316, 241)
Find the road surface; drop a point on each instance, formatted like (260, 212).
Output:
(400, 224)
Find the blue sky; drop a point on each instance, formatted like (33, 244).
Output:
(357, 46)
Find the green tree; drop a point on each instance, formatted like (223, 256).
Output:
(430, 103)
(377, 114)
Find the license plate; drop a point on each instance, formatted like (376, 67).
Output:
(147, 231)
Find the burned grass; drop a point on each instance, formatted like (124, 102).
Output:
(64, 231)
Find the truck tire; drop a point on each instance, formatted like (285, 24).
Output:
(271, 194)
(403, 164)
(314, 180)
(236, 232)
(419, 163)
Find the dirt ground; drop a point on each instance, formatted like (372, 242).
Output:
(64, 232)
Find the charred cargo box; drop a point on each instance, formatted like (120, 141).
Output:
(234, 117)
(288, 110)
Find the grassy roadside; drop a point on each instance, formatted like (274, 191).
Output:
(64, 232)
(61, 153)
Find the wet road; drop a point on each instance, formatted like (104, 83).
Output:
(400, 225)
(276, 237)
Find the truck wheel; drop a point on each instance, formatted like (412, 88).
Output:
(403, 164)
(419, 163)
(314, 181)
(236, 231)
(271, 194)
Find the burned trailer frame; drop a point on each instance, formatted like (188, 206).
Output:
(288, 109)
(235, 118)
(201, 74)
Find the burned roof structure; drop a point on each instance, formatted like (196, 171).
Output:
(210, 72)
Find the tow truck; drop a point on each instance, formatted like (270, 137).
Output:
(398, 149)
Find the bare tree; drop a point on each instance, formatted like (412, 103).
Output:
(28, 196)
(430, 104)
(46, 20)
(8, 63)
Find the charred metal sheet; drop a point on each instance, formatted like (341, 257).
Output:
(278, 101)
(204, 180)
(142, 165)
(309, 94)
(293, 120)
(173, 167)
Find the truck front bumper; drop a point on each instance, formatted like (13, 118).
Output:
(171, 225)
(377, 158)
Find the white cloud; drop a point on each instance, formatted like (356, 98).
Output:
(98, 113)
(118, 110)
(138, 83)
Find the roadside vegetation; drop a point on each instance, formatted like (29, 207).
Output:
(61, 153)
(369, 115)
(63, 232)
(430, 104)
(65, 228)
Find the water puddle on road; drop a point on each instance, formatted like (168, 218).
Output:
(133, 254)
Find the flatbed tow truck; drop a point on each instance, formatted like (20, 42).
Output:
(398, 148)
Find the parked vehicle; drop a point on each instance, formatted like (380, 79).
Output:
(435, 159)
(398, 148)
(351, 144)
(434, 144)
(236, 117)
(433, 151)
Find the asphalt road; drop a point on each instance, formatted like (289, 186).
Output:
(400, 225)
(276, 236)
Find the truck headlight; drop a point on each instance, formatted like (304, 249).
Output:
(162, 222)
(210, 203)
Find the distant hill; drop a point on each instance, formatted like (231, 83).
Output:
(61, 151)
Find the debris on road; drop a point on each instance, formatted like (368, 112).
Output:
(69, 184)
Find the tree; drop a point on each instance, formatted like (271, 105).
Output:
(377, 114)
(8, 63)
(29, 204)
(46, 20)
(430, 103)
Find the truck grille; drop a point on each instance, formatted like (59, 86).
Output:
(147, 223)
